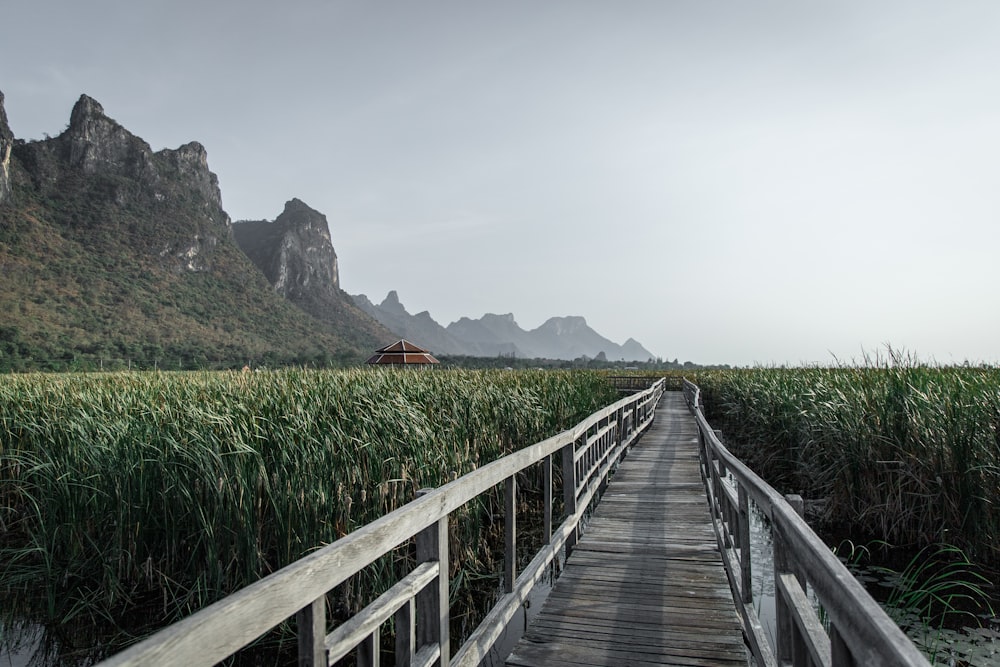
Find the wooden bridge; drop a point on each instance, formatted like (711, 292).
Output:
(652, 551)
(645, 584)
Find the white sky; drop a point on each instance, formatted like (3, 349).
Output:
(727, 182)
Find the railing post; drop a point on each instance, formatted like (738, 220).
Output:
(745, 572)
(432, 602)
(619, 431)
(569, 490)
(725, 507)
(840, 652)
(704, 456)
(510, 534)
(798, 505)
(311, 624)
(716, 479)
(790, 648)
(547, 501)
(368, 650)
(603, 447)
(406, 638)
(783, 620)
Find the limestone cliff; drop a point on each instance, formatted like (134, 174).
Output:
(295, 252)
(104, 169)
(6, 144)
(115, 255)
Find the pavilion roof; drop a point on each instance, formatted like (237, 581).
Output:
(402, 352)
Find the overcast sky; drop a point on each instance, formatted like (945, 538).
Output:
(727, 182)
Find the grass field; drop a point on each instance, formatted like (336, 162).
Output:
(129, 500)
(899, 450)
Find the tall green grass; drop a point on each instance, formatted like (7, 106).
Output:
(146, 496)
(900, 450)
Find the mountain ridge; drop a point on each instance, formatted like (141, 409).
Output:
(565, 338)
(296, 254)
(112, 254)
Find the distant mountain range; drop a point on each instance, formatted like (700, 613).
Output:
(113, 254)
(499, 335)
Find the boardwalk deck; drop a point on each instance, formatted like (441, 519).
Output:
(645, 585)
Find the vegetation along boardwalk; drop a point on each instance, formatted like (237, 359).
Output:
(646, 583)
(652, 580)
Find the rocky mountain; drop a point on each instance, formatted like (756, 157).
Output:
(420, 327)
(6, 144)
(492, 335)
(294, 251)
(296, 254)
(111, 252)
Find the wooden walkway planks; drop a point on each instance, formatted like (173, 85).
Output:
(645, 585)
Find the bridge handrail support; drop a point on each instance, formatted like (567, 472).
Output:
(419, 601)
(860, 632)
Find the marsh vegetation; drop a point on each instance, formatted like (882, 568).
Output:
(130, 500)
(898, 456)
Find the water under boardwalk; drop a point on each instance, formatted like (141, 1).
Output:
(645, 585)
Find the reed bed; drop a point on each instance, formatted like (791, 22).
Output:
(130, 500)
(899, 450)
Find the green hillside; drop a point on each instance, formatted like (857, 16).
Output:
(113, 255)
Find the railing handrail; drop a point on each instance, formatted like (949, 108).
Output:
(861, 633)
(232, 623)
(640, 382)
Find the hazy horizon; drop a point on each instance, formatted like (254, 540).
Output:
(754, 183)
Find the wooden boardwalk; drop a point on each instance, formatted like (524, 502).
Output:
(645, 585)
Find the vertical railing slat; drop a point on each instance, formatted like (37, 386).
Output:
(840, 652)
(569, 490)
(406, 638)
(791, 646)
(547, 500)
(432, 625)
(311, 628)
(746, 578)
(800, 654)
(783, 621)
(368, 651)
(510, 534)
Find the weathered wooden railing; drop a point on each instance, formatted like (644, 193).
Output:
(419, 601)
(633, 383)
(860, 632)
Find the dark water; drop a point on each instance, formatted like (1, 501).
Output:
(26, 643)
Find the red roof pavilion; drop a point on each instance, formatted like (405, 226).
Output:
(402, 352)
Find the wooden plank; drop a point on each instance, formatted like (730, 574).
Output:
(694, 578)
(554, 653)
(583, 630)
(674, 645)
(645, 583)
(693, 593)
(654, 614)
